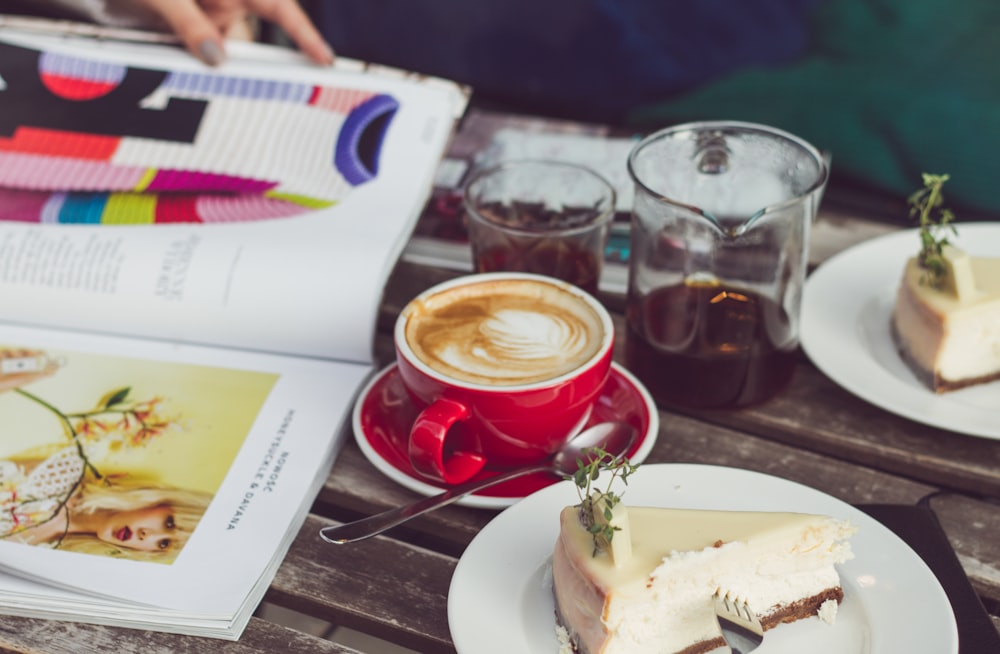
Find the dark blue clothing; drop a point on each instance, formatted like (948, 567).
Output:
(587, 59)
(891, 88)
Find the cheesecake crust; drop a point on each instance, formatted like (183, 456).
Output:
(801, 609)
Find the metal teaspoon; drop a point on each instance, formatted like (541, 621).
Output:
(613, 437)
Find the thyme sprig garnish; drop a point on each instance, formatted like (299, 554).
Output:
(587, 474)
(927, 205)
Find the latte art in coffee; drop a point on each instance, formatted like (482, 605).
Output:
(524, 335)
(505, 332)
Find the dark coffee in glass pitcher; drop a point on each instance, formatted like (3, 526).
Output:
(720, 228)
(707, 345)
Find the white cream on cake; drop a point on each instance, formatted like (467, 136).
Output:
(658, 600)
(950, 335)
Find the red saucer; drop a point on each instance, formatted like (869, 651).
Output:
(384, 412)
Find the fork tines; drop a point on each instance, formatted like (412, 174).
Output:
(737, 610)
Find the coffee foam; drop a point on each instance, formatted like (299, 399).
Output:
(504, 332)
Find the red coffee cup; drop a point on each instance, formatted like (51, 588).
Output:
(507, 367)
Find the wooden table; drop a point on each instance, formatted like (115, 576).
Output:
(396, 586)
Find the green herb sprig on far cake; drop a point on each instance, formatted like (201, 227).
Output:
(927, 205)
(598, 507)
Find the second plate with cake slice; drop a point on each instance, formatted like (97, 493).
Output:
(846, 316)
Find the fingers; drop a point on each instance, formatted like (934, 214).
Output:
(201, 25)
(196, 31)
(17, 377)
(288, 15)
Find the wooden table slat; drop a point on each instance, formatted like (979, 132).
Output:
(381, 586)
(32, 636)
(816, 414)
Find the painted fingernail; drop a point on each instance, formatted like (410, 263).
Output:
(211, 52)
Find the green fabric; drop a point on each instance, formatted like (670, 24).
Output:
(892, 88)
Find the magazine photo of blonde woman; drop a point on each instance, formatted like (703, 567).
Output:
(46, 503)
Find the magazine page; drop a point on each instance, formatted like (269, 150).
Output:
(165, 480)
(264, 202)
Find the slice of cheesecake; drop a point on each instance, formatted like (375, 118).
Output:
(949, 334)
(658, 598)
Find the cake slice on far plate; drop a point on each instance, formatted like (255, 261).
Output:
(653, 592)
(946, 319)
(947, 330)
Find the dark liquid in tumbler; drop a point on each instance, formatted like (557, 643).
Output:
(709, 346)
(575, 259)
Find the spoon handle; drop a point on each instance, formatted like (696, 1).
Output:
(376, 524)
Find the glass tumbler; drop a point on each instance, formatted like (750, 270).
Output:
(539, 216)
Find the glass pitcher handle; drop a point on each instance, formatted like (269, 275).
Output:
(712, 153)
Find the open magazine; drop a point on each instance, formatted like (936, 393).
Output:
(191, 264)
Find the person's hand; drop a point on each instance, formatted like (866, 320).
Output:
(23, 366)
(202, 25)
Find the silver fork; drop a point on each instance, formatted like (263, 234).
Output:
(740, 625)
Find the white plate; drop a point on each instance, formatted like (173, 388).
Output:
(846, 308)
(500, 599)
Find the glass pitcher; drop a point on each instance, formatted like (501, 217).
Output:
(720, 233)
